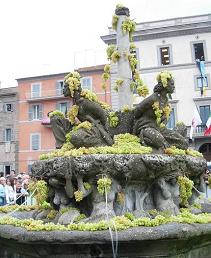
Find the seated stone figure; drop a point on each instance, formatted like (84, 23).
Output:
(151, 116)
(97, 134)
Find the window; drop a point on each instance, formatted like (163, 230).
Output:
(171, 121)
(62, 107)
(8, 135)
(202, 82)
(198, 51)
(204, 113)
(165, 55)
(8, 107)
(59, 87)
(135, 53)
(86, 83)
(35, 112)
(35, 141)
(35, 90)
(7, 170)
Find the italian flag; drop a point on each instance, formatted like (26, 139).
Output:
(208, 125)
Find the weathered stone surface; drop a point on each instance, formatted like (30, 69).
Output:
(170, 240)
(68, 217)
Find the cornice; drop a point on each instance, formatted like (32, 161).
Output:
(164, 32)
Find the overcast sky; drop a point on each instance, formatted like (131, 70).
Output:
(53, 36)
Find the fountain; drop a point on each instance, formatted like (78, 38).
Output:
(120, 184)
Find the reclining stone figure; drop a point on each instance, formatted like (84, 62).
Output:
(151, 116)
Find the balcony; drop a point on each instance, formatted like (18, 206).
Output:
(46, 122)
(44, 95)
(198, 132)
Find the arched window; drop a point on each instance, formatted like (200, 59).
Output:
(205, 149)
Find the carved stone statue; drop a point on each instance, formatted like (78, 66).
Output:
(96, 135)
(151, 116)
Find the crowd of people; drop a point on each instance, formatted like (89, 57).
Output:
(13, 188)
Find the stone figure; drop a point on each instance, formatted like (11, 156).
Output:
(60, 127)
(151, 116)
(88, 110)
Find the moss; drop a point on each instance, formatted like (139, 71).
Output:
(133, 62)
(79, 218)
(128, 26)
(123, 144)
(130, 216)
(72, 113)
(56, 113)
(120, 222)
(113, 119)
(87, 94)
(105, 76)
(115, 19)
(10, 208)
(194, 153)
(158, 112)
(87, 186)
(118, 83)
(174, 151)
(185, 187)
(164, 76)
(110, 49)
(40, 190)
(104, 185)
(115, 56)
(121, 198)
(142, 91)
(78, 196)
(52, 214)
(126, 109)
(73, 81)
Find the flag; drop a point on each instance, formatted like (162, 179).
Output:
(195, 121)
(208, 125)
(201, 68)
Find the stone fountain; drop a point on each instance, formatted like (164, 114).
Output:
(106, 171)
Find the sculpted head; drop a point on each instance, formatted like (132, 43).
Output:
(72, 84)
(165, 82)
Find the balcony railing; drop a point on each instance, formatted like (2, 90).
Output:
(46, 122)
(197, 132)
(48, 94)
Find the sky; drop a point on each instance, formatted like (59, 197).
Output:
(54, 36)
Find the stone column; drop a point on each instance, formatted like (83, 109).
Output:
(123, 67)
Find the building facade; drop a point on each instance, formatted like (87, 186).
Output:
(8, 130)
(40, 95)
(176, 45)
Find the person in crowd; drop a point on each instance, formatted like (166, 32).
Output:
(206, 180)
(2, 191)
(21, 192)
(1, 174)
(10, 192)
(12, 174)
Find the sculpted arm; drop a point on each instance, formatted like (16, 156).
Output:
(144, 105)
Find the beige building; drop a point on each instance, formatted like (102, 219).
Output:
(174, 45)
(8, 130)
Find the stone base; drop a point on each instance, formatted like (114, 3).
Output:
(170, 240)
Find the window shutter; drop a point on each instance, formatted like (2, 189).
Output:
(30, 113)
(138, 58)
(11, 107)
(4, 135)
(35, 141)
(12, 135)
(57, 106)
(40, 112)
(58, 88)
(4, 108)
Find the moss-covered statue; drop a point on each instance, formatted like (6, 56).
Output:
(87, 118)
(152, 114)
